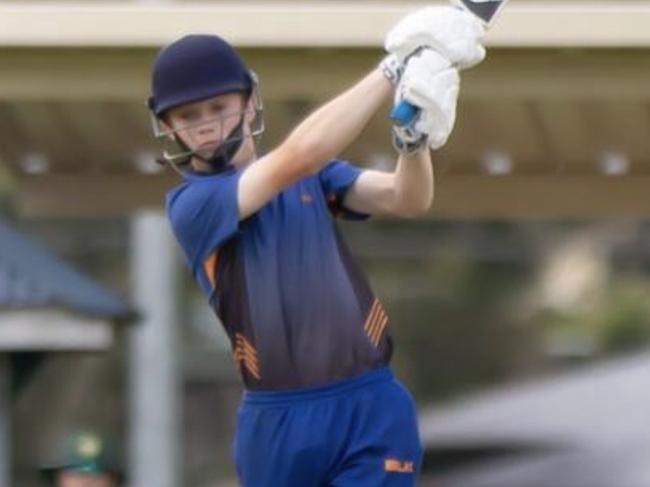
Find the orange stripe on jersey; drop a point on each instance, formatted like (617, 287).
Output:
(249, 368)
(241, 353)
(246, 349)
(253, 370)
(371, 314)
(376, 321)
(245, 354)
(210, 266)
(244, 344)
(248, 362)
(380, 330)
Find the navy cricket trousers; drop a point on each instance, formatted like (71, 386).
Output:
(359, 432)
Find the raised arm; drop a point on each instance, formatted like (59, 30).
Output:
(434, 42)
(321, 136)
(431, 83)
(407, 192)
(441, 38)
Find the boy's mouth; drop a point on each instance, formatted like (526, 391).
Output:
(208, 145)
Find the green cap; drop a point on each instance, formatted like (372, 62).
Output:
(84, 452)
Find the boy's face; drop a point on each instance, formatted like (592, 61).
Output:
(67, 478)
(203, 125)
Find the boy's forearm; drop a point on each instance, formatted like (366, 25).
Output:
(414, 182)
(334, 126)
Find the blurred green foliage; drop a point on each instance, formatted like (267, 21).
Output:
(7, 187)
(458, 296)
(618, 323)
(625, 319)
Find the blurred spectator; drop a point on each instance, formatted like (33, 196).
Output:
(84, 459)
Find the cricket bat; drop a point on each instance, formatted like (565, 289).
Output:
(486, 11)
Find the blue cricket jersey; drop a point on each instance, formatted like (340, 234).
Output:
(297, 308)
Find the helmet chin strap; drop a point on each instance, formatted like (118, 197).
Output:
(223, 154)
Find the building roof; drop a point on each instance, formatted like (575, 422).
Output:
(568, 409)
(31, 277)
(592, 423)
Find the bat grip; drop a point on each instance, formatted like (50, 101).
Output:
(404, 113)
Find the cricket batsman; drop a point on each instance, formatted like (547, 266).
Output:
(312, 342)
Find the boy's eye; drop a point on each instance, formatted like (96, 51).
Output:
(189, 116)
(217, 108)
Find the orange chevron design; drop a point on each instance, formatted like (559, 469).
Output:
(243, 357)
(209, 267)
(239, 355)
(371, 314)
(250, 366)
(243, 343)
(376, 322)
(245, 354)
(380, 329)
(248, 363)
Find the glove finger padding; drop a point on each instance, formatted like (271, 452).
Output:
(439, 127)
(430, 84)
(453, 32)
(438, 120)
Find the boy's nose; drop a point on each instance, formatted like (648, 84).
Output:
(207, 128)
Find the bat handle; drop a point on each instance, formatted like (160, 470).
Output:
(404, 113)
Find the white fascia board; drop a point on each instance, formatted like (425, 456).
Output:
(326, 23)
(52, 330)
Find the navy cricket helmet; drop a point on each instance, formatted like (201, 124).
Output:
(194, 68)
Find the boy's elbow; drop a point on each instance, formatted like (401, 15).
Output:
(411, 213)
(415, 209)
(427, 203)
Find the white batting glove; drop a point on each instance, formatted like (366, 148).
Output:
(430, 83)
(451, 31)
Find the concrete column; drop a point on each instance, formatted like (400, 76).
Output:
(155, 382)
(5, 420)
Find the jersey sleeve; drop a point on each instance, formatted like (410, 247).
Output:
(204, 214)
(336, 179)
